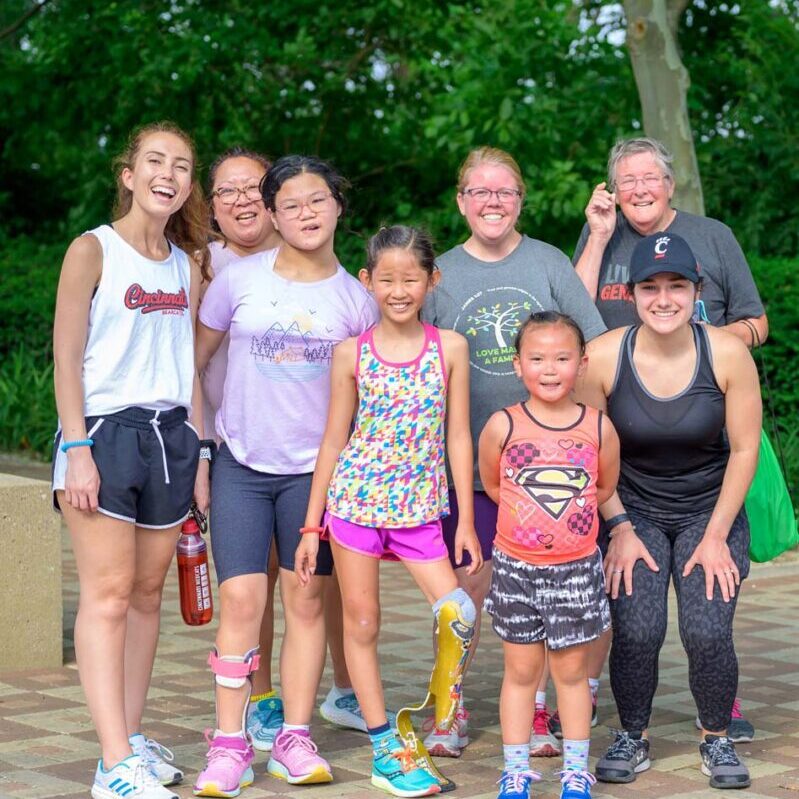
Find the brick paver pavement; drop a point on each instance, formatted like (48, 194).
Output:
(48, 748)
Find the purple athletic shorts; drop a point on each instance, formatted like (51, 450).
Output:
(423, 543)
(485, 522)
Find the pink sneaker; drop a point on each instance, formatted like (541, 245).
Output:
(296, 760)
(228, 769)
(542, 742)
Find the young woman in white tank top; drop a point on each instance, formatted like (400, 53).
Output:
(126, 452)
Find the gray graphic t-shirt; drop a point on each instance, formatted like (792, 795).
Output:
(729, 292)
(487, 301)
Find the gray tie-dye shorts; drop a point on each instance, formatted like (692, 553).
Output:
(563, 605)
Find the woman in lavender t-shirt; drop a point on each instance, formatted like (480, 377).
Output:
(285, 310)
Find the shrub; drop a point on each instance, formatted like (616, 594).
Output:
(778, 282)
(27, 404)
(27, 295)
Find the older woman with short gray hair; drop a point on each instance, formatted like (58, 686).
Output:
(641, 182)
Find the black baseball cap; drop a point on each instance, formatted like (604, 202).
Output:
(663, 252)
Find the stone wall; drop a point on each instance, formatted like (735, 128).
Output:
(31, 606)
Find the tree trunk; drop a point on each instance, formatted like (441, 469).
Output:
(663, 83)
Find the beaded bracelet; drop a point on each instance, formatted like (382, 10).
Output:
(83, 442)
(304, 530)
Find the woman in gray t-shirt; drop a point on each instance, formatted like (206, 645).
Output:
(489, 285)
(641, 183)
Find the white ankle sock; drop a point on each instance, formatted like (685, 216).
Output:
(337, 693)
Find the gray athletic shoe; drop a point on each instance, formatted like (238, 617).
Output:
(740, 730)
(721, 763)
(627, 756)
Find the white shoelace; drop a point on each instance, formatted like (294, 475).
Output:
(154, 751)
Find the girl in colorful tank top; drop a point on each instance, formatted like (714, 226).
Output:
(549, 463)
(382, 480)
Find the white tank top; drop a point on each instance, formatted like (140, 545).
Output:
(140, 344)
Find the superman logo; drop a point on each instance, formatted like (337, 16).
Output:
(553, 487)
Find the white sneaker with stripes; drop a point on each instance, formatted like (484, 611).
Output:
(128, 779)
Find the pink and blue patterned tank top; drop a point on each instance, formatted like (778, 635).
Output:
(391, 473)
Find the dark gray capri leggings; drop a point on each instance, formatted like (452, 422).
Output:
(248, 509)
(639, 621)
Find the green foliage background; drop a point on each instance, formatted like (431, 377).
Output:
(395, 93)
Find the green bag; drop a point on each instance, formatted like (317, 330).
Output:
(772, 525)
(769, 504)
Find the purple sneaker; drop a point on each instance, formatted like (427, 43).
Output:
(228, 769)
(296, 760)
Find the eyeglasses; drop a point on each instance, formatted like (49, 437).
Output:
(316, 203)
(628, 183)
(505, 196)
(229, 195)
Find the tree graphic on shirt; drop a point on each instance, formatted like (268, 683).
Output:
(498, 320)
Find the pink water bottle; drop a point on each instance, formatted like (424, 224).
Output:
(196, 604)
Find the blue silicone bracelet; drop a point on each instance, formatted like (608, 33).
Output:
(83, 442)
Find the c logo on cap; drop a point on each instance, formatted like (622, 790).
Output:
(660, 246)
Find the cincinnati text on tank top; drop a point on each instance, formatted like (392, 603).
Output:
(673, 449)
(547, 487)
(391, 472)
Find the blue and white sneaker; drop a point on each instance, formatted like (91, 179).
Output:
(128, 779)
(344, 711)
(264, 720)
(576, 784)
(157, 758)
(516, 784)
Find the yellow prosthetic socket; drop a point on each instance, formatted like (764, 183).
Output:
(444, 691)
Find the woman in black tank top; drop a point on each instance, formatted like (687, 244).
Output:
(685, 400)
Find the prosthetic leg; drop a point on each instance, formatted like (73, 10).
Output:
(455, 618)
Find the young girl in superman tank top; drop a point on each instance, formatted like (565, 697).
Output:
(549, 463)
(385, 486)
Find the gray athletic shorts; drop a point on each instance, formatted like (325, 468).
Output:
(564, 605)
(248, 509)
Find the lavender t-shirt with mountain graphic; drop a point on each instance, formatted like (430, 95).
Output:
(282, 337)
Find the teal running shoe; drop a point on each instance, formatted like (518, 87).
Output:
(395, 771)
(264, 720)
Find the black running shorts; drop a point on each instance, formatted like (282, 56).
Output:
(147, 462)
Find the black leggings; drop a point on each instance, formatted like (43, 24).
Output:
(639, 622)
